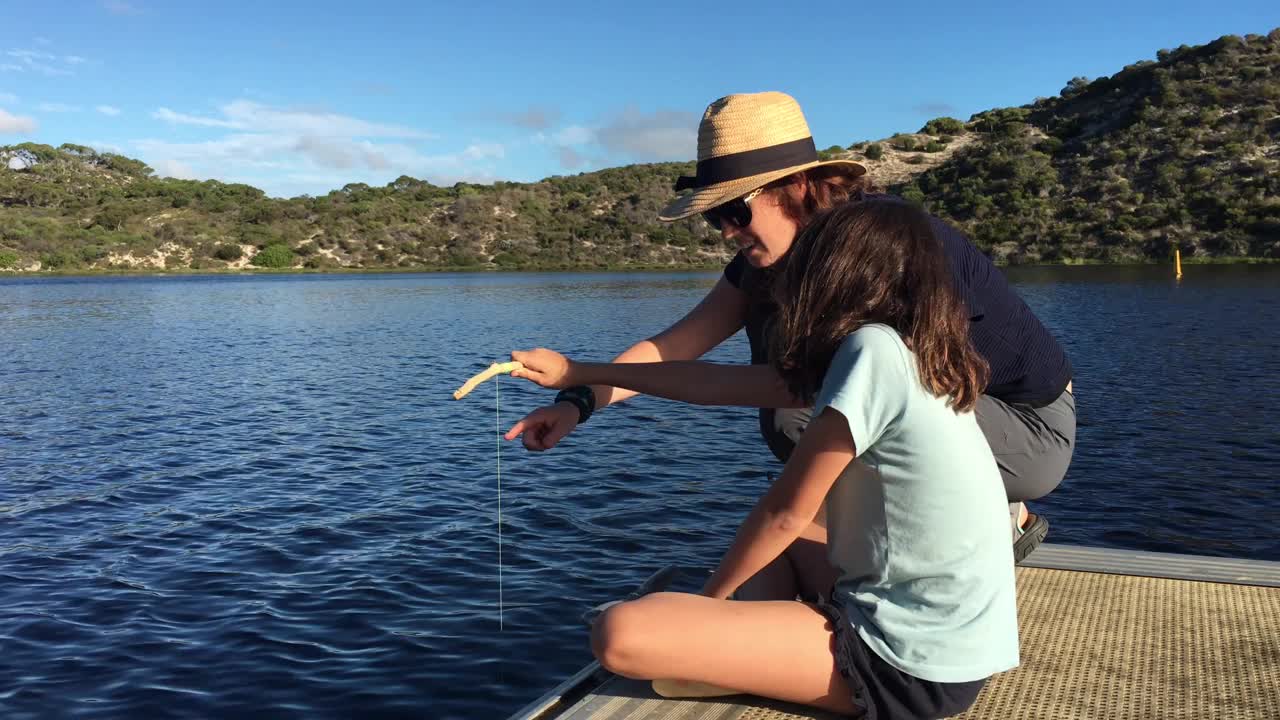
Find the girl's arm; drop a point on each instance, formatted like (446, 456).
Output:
(825, 450)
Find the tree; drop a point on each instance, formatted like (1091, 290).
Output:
(943, 126)
(1075, 86)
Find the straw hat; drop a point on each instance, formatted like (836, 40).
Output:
(745, 142)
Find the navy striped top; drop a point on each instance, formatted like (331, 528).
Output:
(1027, 364)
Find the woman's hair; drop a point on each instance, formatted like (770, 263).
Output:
(874, 261)
(824, 187)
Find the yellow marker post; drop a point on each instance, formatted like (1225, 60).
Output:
(492, 371)
(1177, 263)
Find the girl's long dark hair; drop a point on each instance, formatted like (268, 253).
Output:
(872, 261)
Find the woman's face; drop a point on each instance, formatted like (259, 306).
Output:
(771, 231)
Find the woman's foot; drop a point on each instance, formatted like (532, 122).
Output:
(1029, 530)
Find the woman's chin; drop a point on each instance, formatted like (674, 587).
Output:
(757, 256)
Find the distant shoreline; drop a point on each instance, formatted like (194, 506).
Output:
(478, 270)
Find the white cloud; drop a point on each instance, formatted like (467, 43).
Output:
(256, 117)
(105, 147)
(38, 61)
(575, 135)
(57, 108)
(296, 149)
(16, 123)
(662, 135)
(174, 169)
(629, 135)
(73, 59)
(341, 154)
(306, 163)
(108, 110)
(485, 150)
(30, 55)
(181, 119)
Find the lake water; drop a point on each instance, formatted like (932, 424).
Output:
(253, 496)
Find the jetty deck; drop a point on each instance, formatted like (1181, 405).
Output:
(1105, 634)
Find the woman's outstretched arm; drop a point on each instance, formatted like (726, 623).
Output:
(698, 383)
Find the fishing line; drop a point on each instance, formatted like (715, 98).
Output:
(497, 419)
(495, 370)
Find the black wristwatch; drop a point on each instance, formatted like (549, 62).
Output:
(582, 397)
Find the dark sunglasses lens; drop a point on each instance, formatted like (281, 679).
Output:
(736, 212)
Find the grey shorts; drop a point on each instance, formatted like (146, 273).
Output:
(1031, 445)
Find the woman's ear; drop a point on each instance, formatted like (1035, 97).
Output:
(796, 186)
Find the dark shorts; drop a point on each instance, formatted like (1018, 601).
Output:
(1032, 445)
(882, 691)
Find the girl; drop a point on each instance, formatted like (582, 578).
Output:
(918, 607)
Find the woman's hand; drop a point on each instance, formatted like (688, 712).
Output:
(543, 428)
(547, 368)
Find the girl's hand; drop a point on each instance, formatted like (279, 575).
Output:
(547, 368)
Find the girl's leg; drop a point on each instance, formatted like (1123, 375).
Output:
(780, 649)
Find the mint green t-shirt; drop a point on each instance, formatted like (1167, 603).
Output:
(918, 524)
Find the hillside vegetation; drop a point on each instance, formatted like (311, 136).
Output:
(1178, 152)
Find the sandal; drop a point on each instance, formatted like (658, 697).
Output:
(1029, 537)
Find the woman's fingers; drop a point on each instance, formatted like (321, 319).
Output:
(547, 368)
(522, 426)
(543, 428)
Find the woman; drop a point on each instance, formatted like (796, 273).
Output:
(918, 605)
(759, 181)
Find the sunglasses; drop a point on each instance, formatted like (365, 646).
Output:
(736, 212)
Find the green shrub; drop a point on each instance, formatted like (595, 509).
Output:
(274, 256)
(934, 147)
(228, 252)
(912, 194)
(943, 126)
(111, 217)
(875, 151)
(59, 260)
(8, 260)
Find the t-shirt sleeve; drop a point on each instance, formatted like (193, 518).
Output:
(869, 382)
(734, 270)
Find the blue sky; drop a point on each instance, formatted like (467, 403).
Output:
(304, 97)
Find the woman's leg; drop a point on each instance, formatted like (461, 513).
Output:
(780, 649)
(1032, 446)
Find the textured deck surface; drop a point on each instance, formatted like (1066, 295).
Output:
(1094, 645)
